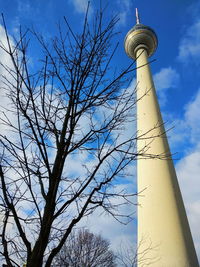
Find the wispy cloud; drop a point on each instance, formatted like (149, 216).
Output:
(188, 168)
(187, 129)
(124, 8)
(118, 233)
(166, 78)
(24, 6)
(5, 63)
(80, 6)
(121, 8)
(192, 115)
(189, 48)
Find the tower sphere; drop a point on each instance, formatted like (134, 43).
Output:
(140, 36)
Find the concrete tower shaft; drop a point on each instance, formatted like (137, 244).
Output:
(164, 237)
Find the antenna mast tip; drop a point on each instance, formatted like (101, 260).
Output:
(137, 16)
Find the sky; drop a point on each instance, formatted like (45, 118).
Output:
(176, 75)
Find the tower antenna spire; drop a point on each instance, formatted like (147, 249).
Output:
(137, 16)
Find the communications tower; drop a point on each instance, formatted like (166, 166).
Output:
(164, 237)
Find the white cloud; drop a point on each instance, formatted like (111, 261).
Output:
(189, 48)
(187, 130)
(188, 168)
(121, 9)
(24, 6)
(80, 6)
(117, 233)
(188, 172)
(6, 64)
(192, 115)
(166, 78)
(128, 127)
(124, 7)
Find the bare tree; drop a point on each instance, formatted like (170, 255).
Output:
(85, 249)
(128, 254)
(68, 109)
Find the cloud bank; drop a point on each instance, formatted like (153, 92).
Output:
(166, 78)
(189, 48)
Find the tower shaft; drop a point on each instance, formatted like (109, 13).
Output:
(164, 237)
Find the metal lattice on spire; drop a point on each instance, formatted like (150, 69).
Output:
(137, 16)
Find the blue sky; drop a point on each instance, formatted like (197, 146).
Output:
(176, 73)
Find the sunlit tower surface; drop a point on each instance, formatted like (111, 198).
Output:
(164, 237)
